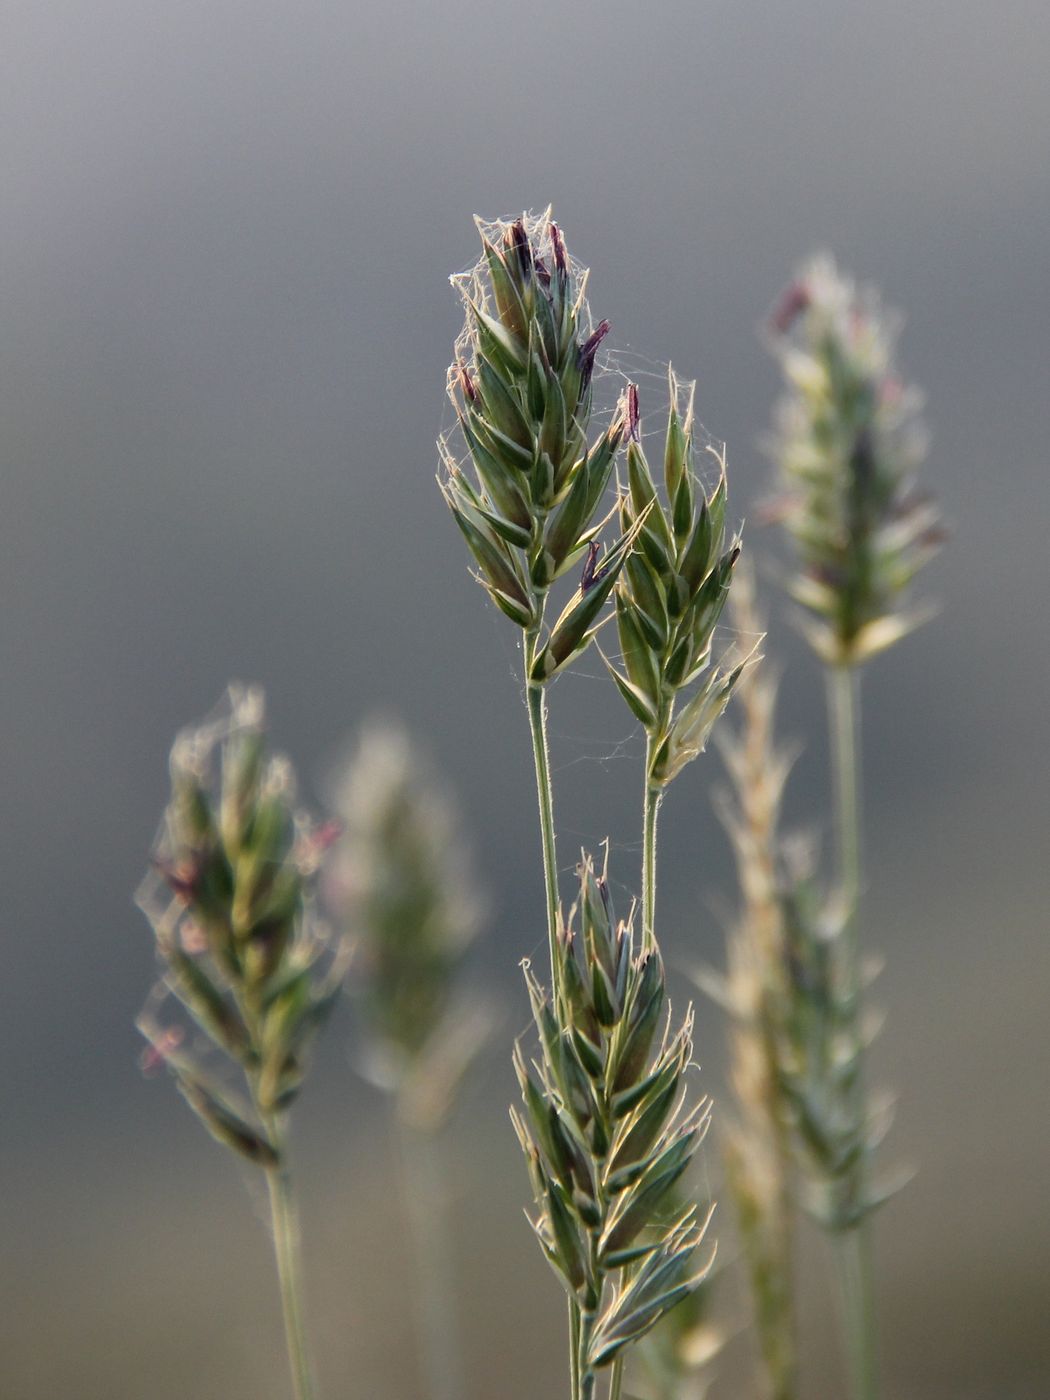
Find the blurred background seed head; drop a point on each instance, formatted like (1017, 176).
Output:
(847, 446)
(400, 884)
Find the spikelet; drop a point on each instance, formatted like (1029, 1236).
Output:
(607, 1134)
(848, 439)
(823, 1035)
(229, 899)
(521, 384)
(799, 1032)
(675, 1359)
(403, 891)
(671, 593)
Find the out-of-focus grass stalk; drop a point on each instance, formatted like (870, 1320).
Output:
(854, 1247)
(243, 956)
(849, 440)
(286, 1239)
(404, 890)
(843, 691)
(758, 1154)
(426, 1189)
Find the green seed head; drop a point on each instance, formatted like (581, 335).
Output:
(230, 908)
(671, 592)
(403, 890)
(605, 1128)
(848, 439)
(523, 479)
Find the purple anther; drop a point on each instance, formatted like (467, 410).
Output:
(561, 259)
(794, 300)
(518, 242)
(466, 383)
(181, 879)
(589, 349)
(632, 412)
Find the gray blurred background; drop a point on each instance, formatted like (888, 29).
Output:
(226, 238)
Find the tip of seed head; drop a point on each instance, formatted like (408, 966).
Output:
(794, 300)
(632, 412)
(517, 241)
(589, 349)
(561, 260)
(589, 576)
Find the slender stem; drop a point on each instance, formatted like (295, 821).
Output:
(651, 809)
(426, 1201)
(853, 1251)
(574, 1349)
(536, 695)
(587, 1379)
(286, 1248)
(844, 719)
(537, 702)
(616, 1379)
(854, 1245)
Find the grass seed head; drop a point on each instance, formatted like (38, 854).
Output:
(821, 1042)
(606, 1129)
(229, 898)
(758, 1159)
(522, 384)
(402, 887)
(848, 439)
(671, 592)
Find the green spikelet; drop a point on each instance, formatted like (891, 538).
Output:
(229, 901)
(521, 384)
(848, 439)
(606, 1132)
(405, 894)
(670, 595)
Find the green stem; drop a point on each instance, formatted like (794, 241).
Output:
(536, 695)
(844, 719)
(574, 1349)
(854, 1246)
(426, 1201)
(286, 1248)
(587, 1379)
(616, 1379)
(853, 1250)
(537, 703)
(651, 809)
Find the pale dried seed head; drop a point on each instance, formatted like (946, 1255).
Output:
(758, 1156)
